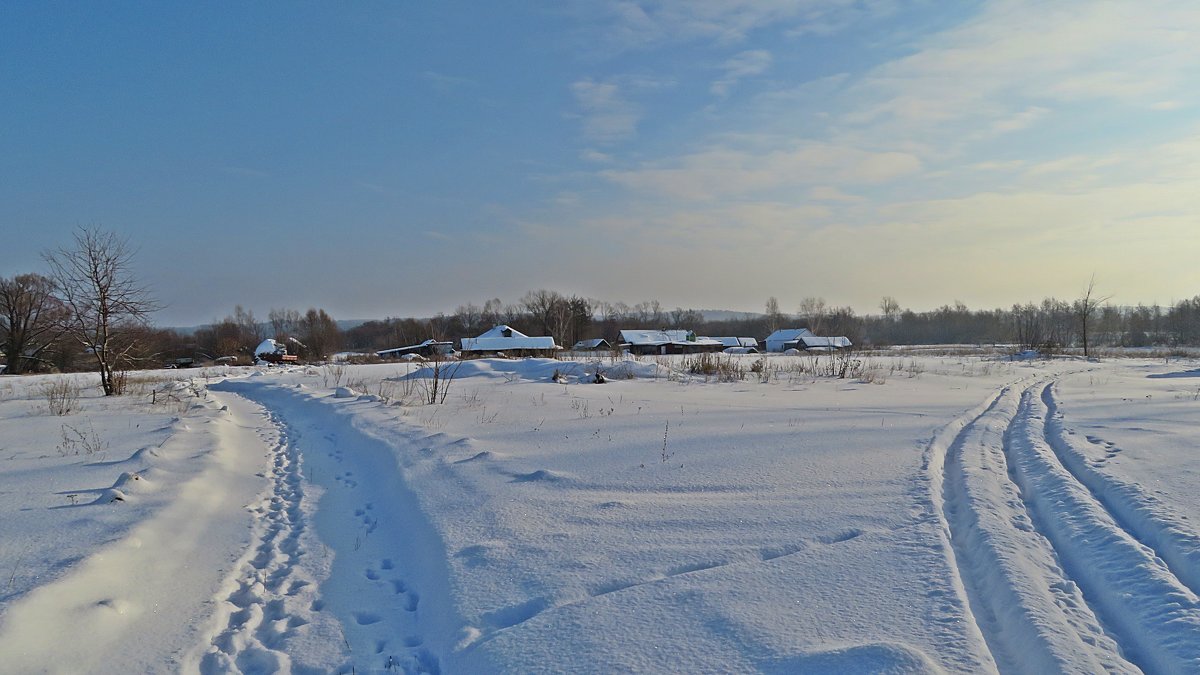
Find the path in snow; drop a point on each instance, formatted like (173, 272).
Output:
(1050, 553)
(325, 584)
(273, 599)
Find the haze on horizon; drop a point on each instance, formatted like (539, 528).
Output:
(400, 160)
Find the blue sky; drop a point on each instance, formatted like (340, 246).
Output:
(395, 159)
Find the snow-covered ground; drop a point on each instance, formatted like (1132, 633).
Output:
(933, 514)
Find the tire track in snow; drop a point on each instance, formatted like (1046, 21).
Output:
(1031, 615)
(1144, 516)
(1155, 617)
(268, 604)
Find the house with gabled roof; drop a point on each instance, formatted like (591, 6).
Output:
(509, 341)
(743, 345)
(786, 338)
(667, 342)
(593, 345)
(804, 340)
(815, 343)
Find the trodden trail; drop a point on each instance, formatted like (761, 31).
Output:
(341, 564)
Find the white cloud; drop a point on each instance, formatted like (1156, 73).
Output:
(641, 23)
(607, 115)
(1022, 120)
(746, 64)
(595, 156)
(1019, 59)
(721, 172)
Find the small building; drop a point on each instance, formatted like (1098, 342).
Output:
(786, 338)
(509, 341)
(428, 349)
(667, 342)
(743, 345)
(593, 345)
(814, 343)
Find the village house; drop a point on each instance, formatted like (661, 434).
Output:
(509, 342)
(739, 345)
(642, 342)
(593, 345)
(804, 340)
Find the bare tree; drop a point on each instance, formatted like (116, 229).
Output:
(470, 317)
(248, 325)
(774, 316)
(1085, 307)
(31, 320)
(285, 323)
(492, 313)
(890, 307)
(96, 281)
(813, 309)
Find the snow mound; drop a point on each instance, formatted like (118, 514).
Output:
(345, 392)
(878, 657)
(111, 496)
(539, 475)
(130, 481)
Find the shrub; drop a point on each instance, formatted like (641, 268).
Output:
(61, 394)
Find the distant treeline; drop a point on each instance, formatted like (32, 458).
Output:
(314, 335)
(1049, 324)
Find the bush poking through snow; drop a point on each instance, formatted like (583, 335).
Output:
(725, 369)
(435, 387)
(75, 441)
(61, 394)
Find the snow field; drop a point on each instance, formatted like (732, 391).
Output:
(933, 514)
(114, 585)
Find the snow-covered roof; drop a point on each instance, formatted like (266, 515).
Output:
(504, 338)
(428, 343)
(737, 341)
(664, 337)
(813, 341)
(590, 344)
(503, 331)
(503, 344)
(269, 346)
(788, 334)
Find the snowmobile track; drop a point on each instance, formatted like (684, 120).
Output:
(1055, 581)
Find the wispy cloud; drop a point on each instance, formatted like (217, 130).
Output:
(746, 64)
(1020, 60)
(722, 172)
(595, 156)
(607, 115)
(641, 23)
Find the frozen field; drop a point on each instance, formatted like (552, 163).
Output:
(934, 514)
